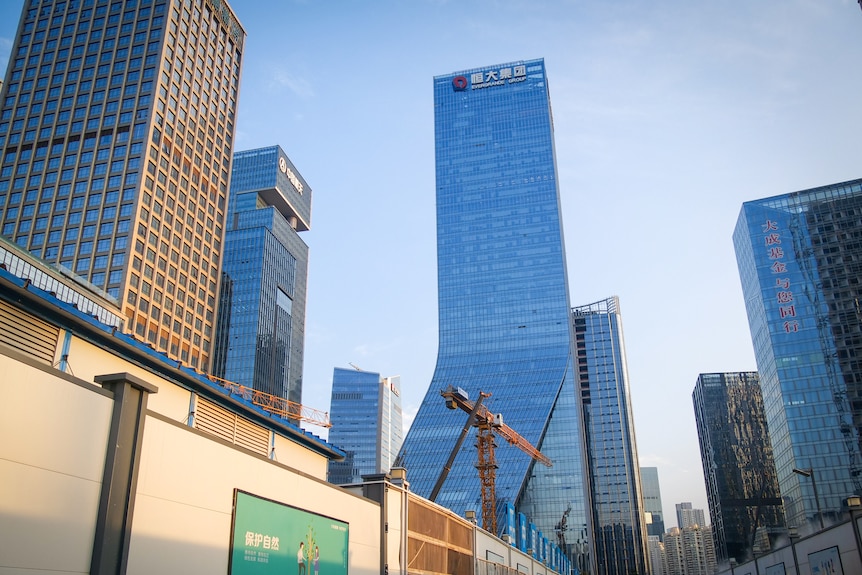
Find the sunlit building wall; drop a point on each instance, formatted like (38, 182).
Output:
(117, 123)
(799, 260)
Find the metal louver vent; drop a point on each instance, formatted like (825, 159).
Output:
(28, 334)
(227, 425)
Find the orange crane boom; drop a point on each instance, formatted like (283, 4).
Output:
(275, 404)
(488, 424)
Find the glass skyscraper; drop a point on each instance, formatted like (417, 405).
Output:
(504, 312)
(741, 486)
(800, 263)
(617, 507)
(117, 122)
(261, 322)
(366, 423)
(652, 501)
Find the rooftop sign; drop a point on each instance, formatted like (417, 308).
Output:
(490, 78)
(282, 165)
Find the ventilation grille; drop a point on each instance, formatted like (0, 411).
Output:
(227, 425)
(27, 334)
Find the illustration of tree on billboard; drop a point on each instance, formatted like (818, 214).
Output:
(270, 537)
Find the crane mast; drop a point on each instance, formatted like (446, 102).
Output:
(488, 426)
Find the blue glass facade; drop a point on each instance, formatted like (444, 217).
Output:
(366, 424)
(799, 260)
(261, 322)
(111, 164)
(741, 485)
(617, 509)
(651, 492)
(504, 325)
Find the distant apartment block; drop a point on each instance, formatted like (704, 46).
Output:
(686, 516)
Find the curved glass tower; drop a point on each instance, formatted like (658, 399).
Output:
(504, 324)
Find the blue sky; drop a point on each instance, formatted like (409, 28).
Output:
(668, 115)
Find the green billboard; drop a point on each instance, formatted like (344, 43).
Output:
(273, 538)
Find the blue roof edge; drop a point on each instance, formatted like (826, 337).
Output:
(158, 358)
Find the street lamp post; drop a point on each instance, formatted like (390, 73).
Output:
(810, 473)
(793, 534)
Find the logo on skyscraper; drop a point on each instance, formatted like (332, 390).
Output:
(459, 83)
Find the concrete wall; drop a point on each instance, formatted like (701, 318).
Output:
(185, 495)
(53, 437)
(796, 557)
(490, 548)
(54, 430)
(167, 501)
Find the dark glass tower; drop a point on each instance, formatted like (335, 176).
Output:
(617, 509)
(116, 135)
(800, 262)
(261, 326)
(741, 485)
(504, 314)
(366, 423)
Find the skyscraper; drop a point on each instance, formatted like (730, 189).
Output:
(741, 486)
(798, 257)
(366, 423)
(652, 501)
(504, 312)
(261, 321)
(116, 134)
(616, 509)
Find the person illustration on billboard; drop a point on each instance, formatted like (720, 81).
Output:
(316, 560)
(300, 559)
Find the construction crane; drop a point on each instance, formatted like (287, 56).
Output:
(488, 424)
(275, 404)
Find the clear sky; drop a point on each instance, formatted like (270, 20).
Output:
(668, 115)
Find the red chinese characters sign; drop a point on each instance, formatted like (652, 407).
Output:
(784, 292)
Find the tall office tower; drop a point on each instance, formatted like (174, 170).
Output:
(690, 551)
(261, 321)
(798, 257)
(741, 486)
(617, 508)
(116, 131)
(504, 313)
(686, 516)
(366, 423)
(652, 501)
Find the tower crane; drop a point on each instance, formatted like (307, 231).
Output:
(488, 424)
(275, 404)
